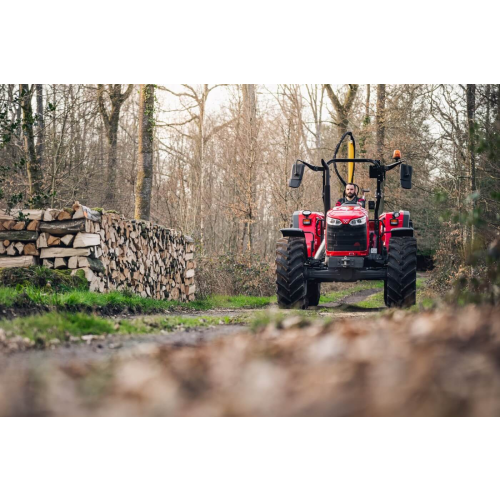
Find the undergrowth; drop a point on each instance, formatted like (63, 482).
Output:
(43, 278)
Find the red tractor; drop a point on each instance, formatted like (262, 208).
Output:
(349, 245)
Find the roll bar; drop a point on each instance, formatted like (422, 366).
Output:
(377, 171)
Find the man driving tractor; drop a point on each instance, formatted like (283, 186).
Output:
(350, 195)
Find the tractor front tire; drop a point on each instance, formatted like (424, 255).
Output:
(400, 287)
(313, 293)
(291, 254)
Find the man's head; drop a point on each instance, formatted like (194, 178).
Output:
(350, 191)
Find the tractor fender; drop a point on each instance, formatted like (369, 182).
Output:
(293, 232)
(401, 231)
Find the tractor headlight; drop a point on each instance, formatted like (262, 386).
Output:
(358, 222)
(333, 222)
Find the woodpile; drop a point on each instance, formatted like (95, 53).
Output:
(18, 237)
(113, 252)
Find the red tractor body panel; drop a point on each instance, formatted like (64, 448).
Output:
(312, 225)
(390, 221)
(344, 239)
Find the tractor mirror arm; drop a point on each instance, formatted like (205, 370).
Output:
(313, 167)
(393, 165)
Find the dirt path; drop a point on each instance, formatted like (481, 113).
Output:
(440, 363)
(110, 346)
(116, 345)
(354, 298)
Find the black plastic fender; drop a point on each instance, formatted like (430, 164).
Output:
(293, 232)
(401, 231)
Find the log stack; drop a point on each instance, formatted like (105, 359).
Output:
(113, 252)
(18, 237)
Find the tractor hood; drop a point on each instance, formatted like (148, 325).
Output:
(346, 213)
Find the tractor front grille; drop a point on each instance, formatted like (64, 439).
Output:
(346, 238)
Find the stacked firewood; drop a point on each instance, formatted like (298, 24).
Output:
(147, 258)
(18, 237)
(114, 253)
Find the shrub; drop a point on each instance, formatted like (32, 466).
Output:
(234, 275)
(57, 280)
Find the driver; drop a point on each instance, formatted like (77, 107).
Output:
(350, 195)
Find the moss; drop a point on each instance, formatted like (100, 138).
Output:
(42, 277)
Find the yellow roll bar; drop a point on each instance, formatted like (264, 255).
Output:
(350, 165)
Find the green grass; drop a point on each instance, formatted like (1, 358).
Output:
(227, 302)
(114, 302)
(376, 301)
(62, 326)
(56, 280)
(336, 296)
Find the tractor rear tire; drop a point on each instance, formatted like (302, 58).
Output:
(313, 293)
(400, 287)
(291, 255)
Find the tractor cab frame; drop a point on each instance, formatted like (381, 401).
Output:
(344, 243)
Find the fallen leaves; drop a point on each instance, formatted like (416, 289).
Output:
(433, 363)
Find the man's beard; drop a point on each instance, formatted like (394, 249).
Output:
(350, 197)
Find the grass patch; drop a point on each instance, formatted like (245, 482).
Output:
(375, 301)
(336, 296)
(42, 277)
(33, 298)
(64, 326)
(227, 302)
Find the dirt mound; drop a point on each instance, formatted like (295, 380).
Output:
(436, 363)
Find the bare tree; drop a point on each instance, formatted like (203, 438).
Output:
(342, 109)
(194, 104)
(35, 174)
(471, 125)
(40, 123)
(111, 120)
(380, 120)
(145, 153)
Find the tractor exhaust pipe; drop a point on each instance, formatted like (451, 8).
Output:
(320, 253)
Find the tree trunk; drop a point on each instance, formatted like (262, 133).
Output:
(35, 177)
(380, 121)
(112, 159)
(471, 125)
(40, 123)
(342, 110)
(342, 114)
(366, 120)
(111, 121)
(250, 113)
(145, 153)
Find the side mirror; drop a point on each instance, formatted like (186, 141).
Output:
(297, 174)
(371, 205)
(406, 173)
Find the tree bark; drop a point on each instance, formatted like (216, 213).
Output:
(471, 125)
(366, 120)
(342, 110)
(35, 175)
(380, 121)
(250, 118)
(111, 121)
(145, 153)
(342, 113)
(40, 146)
